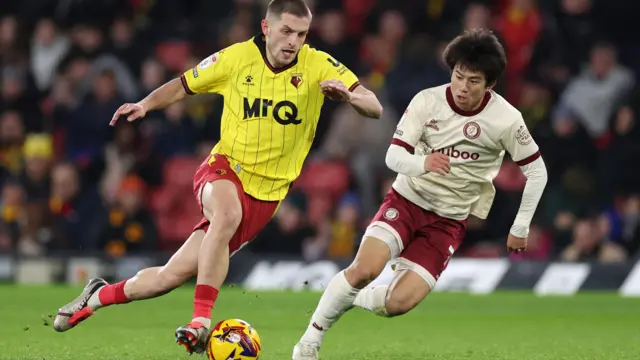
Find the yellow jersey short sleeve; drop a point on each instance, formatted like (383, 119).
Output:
(270, 114)
(335, 70)
(210, 75)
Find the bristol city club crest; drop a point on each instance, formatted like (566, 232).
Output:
(391, 214)
(471, 130)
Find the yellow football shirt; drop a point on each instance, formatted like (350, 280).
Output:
(270, 115)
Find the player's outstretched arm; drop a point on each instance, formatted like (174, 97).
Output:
(525, 153)
(365, 102)
(338, 83)
(401, 156)
(160, 98)
(536, 174)
(400, 160)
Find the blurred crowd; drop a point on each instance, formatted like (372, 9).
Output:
(71, 183)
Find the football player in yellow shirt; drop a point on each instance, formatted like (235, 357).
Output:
(274, 86)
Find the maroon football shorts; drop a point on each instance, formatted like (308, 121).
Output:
(424, 238)
(255, 213)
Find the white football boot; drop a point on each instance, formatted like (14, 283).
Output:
(305, 351)
(77, 310)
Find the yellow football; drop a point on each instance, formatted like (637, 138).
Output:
(233, 339)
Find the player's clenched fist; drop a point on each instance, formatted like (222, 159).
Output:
(335, 90)
(131, 111)
(516, 244)
(437, 162)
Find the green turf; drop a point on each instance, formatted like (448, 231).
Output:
(446, 326)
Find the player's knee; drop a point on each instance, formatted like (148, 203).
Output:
(360, 274)
(399, 303)
(221, 205)
(228, 217)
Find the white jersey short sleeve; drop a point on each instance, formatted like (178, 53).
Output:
(475, 142)
(519, 143)
(401, 156)
(411, 125)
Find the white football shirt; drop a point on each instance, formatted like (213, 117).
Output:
(475, 142)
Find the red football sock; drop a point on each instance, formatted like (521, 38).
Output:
(113, 294)
(203, 301)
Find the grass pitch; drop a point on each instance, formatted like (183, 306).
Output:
(445, 326)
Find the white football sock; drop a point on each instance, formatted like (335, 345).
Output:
(338, 298)
(373, 299)
(204, 321)
(94, 301)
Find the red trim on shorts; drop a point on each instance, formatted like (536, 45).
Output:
(183, 80)
(529, 160)
(354, 86)
(403, 144)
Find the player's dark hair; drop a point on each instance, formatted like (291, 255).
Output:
(294, 7)
(477, 50)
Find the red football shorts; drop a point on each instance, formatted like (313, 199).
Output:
(425, 240)
(255, 213)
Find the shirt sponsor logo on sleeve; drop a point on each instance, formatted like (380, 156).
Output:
(391, 214)
(208, 61)
(523, 137)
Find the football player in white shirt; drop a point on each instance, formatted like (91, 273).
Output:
(447, 149)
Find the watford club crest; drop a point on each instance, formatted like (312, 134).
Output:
(296, 80)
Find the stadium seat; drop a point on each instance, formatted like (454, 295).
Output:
(173, 54)
(179, 170)
(166, 228)
(319, 207)
(161, 200)
(184, 226)
(175, 208)
(59, 138)
(326, 177)
(510, 177)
